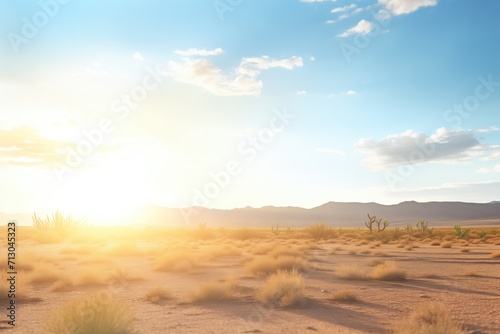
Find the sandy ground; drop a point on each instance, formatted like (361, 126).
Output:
(467, 282)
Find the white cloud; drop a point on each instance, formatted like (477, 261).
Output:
(243, 80)
(363, 27)
(351, 92)
(401, 7)
(343, 9)
(137, 55)
(199, 52)
(331, 151)
(410, 147)
(330, 21)
(312, 58)
(301, 93)
(312, 1)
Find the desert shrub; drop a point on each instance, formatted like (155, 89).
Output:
(320, 231)
(91, 276)
(175, 260)
(62, 284)
(432, 318)
(283, 288)
(446, 244)
(388, 271)
(269, 264)
(223, 250)
(495, 254)
(288, 251)
(43, 274)
(350, 271)
(345, 295)
(59, 224)
(97, 314)
(155, 295)
(245, 234)
(213, 291)
(461, 232)
(435, 243)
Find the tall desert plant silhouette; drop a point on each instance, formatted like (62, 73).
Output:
(59, 224)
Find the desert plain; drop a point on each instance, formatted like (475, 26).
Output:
(315, 279)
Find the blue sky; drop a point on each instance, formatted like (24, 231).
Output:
(110, 105)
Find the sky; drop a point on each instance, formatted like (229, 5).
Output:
(110, 105)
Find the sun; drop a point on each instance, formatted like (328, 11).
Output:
(108, 193)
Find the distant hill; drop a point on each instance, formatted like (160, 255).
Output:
(338, 214)
(333, 213)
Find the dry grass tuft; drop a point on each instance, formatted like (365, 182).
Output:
(213, 291)
(283, 289)
(95, 314)
(464, 250)
(495, 254)
(428, 318)
(62, 284)
(350, 271)
(155, 295)
(177, 261)
(388, 271)
(264, 265)
(91, 276)
(345, 295)
(446, 244)
(44, 274)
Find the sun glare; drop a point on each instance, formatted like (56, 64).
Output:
(106, 194)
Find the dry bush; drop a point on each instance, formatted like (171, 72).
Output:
(495, 254)
(288, 251)
(175, 260)
(435, 242)
(446, 244)
(124, 248)
(62, 284)
(266, 264)
(352, 251)
(91, 276)
(283, 288)
(245, 234)
(262, 249)
(428, 318)
(464, 250)
(350, 271)
(155, 295)
(97, 314)
(345, 295)
(320, 231)
(379, 253)
(223, 250)
(388, 271)
(213, 291)
(365, 251)
(43, 274)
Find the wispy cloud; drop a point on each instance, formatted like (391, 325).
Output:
(343, 8)
(363, 27)
(199, 52)
(444, 146)
(241, 81)
(401, 7)
(24, 146)
(301, 93)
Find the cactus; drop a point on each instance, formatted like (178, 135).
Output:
(380, 225)
(276, 231)
(385, 224)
